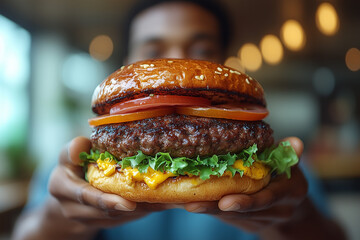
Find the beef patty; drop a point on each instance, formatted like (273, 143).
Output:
(181, 136)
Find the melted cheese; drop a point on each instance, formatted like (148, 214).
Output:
(153, 178)
(256, 171)
(107, 165)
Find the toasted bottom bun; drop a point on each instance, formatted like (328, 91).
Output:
(181, 189)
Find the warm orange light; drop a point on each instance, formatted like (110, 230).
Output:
(235, 63)
(293, 35)
(101, 47)
(352, 59)
(271, 49)
(327, 19)
(250, 56)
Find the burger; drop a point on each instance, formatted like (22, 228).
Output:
(177, 131)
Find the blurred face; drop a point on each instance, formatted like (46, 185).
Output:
(175, 30)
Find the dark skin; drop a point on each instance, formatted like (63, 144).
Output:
(76, 210)
(176, 30)
(82, 209)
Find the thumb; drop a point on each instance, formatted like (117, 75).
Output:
(296, 143)
(70, 154)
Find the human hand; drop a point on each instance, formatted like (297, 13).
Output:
(79, 201)
(276, 203)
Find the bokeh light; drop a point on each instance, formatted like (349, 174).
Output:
(327, 19)
(235, 63)
(101, 47)
(250, 56)
(293, 35)
(271, 49)
(352, 59)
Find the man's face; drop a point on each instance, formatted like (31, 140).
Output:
(175, 30)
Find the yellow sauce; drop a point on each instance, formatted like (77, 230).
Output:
(256, 171)
(153, 178)
(107, 165)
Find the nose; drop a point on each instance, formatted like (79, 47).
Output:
(175, 52)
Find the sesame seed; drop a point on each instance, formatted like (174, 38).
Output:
(217, 72)
(232, 71)
(130, 66)
(122, 67)
(256, 89)
(151, 95)
(200, 78)
(145, 65)
(220, 69)
(152, 65)
(170, 61)
(250, 78)
(238, 73)
(226, 69)
(226, 74)
(247, 81)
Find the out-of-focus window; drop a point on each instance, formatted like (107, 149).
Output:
(15, 44)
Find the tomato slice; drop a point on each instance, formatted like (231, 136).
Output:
(156, 101)
(246, 112)
(128, 117)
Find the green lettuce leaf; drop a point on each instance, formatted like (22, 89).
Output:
(94, 156)
(279, 158)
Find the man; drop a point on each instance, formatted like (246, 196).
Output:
(169, 32)
(76, 210)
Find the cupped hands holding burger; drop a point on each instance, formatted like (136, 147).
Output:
(76, 199)
(282, 202)
(77, 210)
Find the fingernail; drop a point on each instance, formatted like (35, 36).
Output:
(233, 207)
(121, 207)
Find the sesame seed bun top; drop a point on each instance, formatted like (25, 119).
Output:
(187, 77)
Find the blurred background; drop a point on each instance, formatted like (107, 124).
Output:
(305, 54)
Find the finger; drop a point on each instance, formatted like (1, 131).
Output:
(76, 146)
(88, 195)
(202, 207)
(93, 217)
(75, 211)
(245, 203)
(70, 154)
(254, 202)
(296, 143)
(64, 185)
(280, 190)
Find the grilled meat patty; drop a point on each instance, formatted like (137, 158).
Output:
(181, 136)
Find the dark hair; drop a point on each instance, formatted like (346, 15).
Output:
(212, 6)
